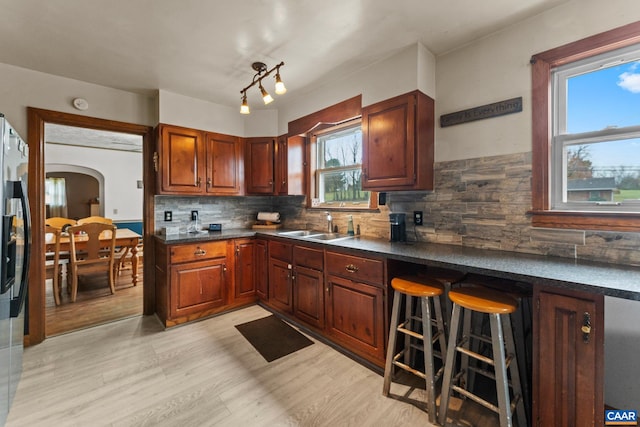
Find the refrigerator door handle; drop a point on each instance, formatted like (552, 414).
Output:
(18, 190)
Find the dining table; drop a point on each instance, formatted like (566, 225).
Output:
(126, 239)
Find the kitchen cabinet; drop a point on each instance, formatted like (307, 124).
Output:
(180, 163)
(398, 143)
(260, 165)
(261, 271)
(568, 359)
(291, 165)
(308, 285)
(191, 161)
(195, 280)
(280, 276)
(244, 270)
(355, 304)
(198, 275)
(225, 166)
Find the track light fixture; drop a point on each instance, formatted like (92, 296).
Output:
(261, 73)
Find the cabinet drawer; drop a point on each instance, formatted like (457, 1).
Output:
(197, 251)
(356, 268)
(281, 251)
(308, 257)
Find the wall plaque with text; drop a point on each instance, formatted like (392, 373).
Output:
(510, 106)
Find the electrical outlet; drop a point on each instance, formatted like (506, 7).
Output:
(194, 215)
(168, 216)
(417, 217)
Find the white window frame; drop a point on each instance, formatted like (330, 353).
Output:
(561, 139)
(320, 170)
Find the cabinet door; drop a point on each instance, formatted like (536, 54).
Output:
(224, 164)
(308, 296)
(261, 272)
(245, 285)
(397, 141)
(355, 317)
(259, 167)
(290, 165)
(198, 286)
(182, 154)
(569, 363)
(280, 295)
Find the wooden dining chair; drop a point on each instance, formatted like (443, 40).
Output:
(60, 222)
(96, 256)
(53, 262)
(98, 219)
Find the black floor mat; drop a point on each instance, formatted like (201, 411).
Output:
(272, 337)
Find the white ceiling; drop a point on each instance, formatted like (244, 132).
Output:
(204, 48)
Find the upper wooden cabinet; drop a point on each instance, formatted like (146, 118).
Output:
(290, 165)
(225, 168)
(191, 161)
(259, 165)
(397, 140)
(275, 165)
(182, 164)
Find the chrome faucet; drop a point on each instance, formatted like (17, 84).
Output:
(329, 221)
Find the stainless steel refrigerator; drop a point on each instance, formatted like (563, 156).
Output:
(15, 249)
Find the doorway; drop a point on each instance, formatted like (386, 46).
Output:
(38, 119)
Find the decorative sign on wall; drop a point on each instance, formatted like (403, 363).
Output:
(496, 109)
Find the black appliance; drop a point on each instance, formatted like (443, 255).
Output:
(398, 227)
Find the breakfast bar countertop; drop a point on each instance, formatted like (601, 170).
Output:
(613, 280)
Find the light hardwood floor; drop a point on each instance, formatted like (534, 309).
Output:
(133, 373)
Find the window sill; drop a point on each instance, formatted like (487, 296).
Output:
(344, 209)
(606, 221)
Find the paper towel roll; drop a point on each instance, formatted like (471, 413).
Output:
(269, 216)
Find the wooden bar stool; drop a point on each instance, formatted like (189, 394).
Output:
(428, 292)
(498, 306)
(521, 325)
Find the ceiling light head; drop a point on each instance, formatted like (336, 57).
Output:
(260, 67)
(265, 95)
(244, 108)
(280, 88)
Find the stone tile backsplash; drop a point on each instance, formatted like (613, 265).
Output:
(479, 203)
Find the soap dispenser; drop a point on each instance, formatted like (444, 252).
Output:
(350, 225)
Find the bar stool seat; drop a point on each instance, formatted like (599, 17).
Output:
(428, 291)
(483, 300)
(498, 305)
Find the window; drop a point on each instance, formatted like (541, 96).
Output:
(596, 133)
(337, 167)
(586, 133)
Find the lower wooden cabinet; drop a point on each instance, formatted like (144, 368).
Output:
(308, 285)
(194, 280)
(280, 290)
(261, 271)
(568, 367)
(355, 317)
(198, 286)
(244, 282)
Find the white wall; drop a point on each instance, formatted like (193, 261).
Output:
(21, 88)
(121, 171)
(497, 68)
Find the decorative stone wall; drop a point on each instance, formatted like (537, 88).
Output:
(480, 203)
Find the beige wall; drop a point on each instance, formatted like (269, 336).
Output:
(21, 88)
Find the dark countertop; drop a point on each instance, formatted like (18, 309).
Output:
(614, 280)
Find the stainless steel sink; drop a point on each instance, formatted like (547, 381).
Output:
(315, 235)
(298, 233)
(328, 236)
